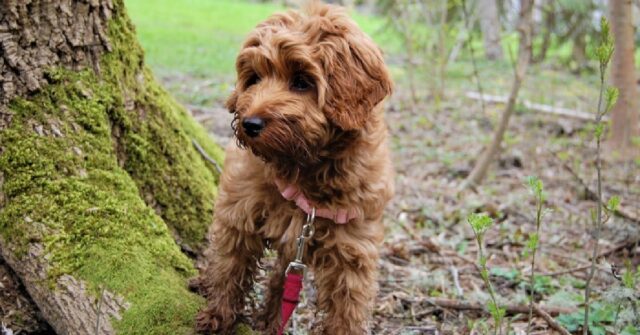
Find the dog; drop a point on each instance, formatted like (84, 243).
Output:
(310, 134)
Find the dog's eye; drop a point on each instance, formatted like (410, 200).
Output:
(301, 83)
(254, 79)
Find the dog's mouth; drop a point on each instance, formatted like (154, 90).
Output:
(281, 142)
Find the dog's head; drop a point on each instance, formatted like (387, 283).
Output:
(303, 81)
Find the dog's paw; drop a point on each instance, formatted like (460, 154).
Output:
(208, 322)
(267, 323)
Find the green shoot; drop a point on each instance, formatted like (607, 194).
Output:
(480, 223)
(536, 188)
(603, 52)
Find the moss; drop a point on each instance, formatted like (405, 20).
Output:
(100, 169)
(155, 140)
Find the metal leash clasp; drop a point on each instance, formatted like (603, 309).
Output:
(297, 266)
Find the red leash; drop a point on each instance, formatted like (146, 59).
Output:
(295, 273)
(290, 297)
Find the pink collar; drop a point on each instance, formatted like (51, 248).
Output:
(292, 192)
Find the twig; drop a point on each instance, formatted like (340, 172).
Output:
(600, 112)
(564, 272)
(550, 321)
(536, 187)
(205, 155)
(456, 281)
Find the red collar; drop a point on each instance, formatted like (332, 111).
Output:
(293, 193)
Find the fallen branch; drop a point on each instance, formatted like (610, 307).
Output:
(550, 321)
(533, 106)
(474, 306)
(568, 271)
(544, 313)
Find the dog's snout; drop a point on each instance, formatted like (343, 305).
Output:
(253, 126)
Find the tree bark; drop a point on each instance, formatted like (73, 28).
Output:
(625, 114)
(524, 55)
(490, 26)
(100, 186)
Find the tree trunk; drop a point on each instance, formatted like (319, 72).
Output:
(625, 114)
(548, 13)
(490, 26)
(524, 56)
(98, 176)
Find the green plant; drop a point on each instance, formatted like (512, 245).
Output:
(512, 275)
(609, 96)
(540, 285)
(624, 296)
(480, 223)
(536, 187)
(601, 314)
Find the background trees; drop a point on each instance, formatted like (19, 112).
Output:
(626, 114)
(490, 27)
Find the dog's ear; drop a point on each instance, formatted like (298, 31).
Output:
(357, 79)
(230, 104)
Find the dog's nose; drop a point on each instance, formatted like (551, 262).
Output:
(253, 126)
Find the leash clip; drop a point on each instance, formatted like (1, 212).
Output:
(294, 275)
(297, 266)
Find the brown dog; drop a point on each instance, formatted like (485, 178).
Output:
(310, 133)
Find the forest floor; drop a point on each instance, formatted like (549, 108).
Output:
(429, 252)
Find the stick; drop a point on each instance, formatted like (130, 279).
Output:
(534, 106)
(205, 155)
(474, 306)
(550, 321)
(564, 272)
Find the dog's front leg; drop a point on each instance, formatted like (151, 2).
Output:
(233, 260)
(345, 277)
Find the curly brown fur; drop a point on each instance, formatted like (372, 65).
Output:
(318, 83)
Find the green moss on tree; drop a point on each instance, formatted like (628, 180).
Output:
(100, 169)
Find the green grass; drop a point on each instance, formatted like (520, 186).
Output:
(202, 37)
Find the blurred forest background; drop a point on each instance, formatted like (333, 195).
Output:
(495, 125)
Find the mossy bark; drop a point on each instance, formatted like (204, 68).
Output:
(98, 176)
